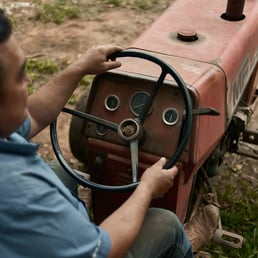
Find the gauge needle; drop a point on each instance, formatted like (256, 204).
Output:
(137, 106)
(171, 118)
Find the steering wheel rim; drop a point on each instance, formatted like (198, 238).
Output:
(185, 131)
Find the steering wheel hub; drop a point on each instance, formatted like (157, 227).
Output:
(129, 130)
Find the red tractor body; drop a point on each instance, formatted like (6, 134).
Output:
(214, 48)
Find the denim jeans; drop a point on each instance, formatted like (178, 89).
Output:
(162, 236)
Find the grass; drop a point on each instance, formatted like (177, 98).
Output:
(239, 200)
(57, 11)
(137, 4)
(84, 83)
(39, 71)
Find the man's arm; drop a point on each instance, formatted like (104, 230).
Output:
(45, 104)
(125, 223)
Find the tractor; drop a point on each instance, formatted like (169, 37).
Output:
(186, 90)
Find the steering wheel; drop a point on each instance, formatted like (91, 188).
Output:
(131, 129)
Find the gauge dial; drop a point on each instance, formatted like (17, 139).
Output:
(138, 101)
(170, 116)
(101, 129)
(112, 102)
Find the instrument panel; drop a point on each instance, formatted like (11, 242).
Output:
(115, 97)
(170, 116)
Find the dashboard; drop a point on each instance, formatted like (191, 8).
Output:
(115, 97)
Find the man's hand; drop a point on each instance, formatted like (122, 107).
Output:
(95, 60)
(157, 179)
(124, 224)
(45, 104)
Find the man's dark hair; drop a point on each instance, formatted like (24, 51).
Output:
(5, 27)
(5, 33)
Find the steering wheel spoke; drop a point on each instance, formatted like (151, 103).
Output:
(92, 118)
(142, 116)
(134, 159)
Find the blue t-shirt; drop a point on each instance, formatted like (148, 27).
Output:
(39, 217)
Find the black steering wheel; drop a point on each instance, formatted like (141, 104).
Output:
(131, 129)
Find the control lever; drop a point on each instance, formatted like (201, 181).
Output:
(206, 111)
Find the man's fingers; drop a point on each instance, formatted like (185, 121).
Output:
(111, 50)
(160, 163)
(113, 64)
(174, 170)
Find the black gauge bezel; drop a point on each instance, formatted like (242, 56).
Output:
(164, 116)
(107, 105)
(132, 99)
(99, 129)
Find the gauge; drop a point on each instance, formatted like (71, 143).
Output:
(101, 129)
(138, 101)
(170, 116)
(112, 102)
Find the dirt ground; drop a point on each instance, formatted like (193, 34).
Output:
(71, 38)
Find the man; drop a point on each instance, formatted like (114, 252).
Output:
(39, 217)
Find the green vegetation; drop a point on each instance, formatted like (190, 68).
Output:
(137, 4)
(39, 71)
(84, 83)
(239, 200)
(13, 20)
(42, 66)
(57, 11)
